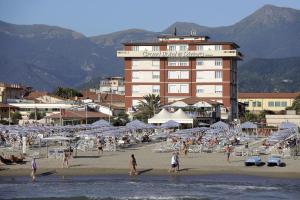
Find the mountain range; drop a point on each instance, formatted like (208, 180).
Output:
(48, 56)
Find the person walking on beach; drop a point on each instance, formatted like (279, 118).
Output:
(100, 147)
(174, 162)
(177, 160)
(34, 168)
(65, 159)
(184, 148)
(227, 152)
(132, 165)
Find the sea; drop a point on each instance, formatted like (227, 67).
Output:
(123, 187)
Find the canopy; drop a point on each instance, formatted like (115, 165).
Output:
(163, 116)
(287, 125)
(220, 125)
(170, 124)
(248, 125)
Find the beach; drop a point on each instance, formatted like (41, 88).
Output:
(150, 163)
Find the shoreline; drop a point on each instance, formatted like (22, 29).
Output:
(146, 172)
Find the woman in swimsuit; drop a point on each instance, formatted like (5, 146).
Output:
(133, 165)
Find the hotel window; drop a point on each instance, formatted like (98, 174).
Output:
(184, 88)
(199, 75)
(218, 89)
(283, 104)
(218, 47)
(155, 89)
(184, 74)
(183, 47)
(173, 74)
(199, 62)
(258, 104)
(277, 103)
(200, 90)
(271, 103)
(135, 89)
(184, 62)
(218, 74)
(155, 75)
(135, 75)
(155, 62)
(155, 48)
(171, 62)
(172, 48)
(172, 88)
(135, 48)
(218, 62)
(199, 48)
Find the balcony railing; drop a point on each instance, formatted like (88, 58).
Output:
(158, 54)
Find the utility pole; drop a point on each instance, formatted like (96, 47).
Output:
(8, 115)
(85, 114)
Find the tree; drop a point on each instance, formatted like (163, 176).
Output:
(66, 92)
(39, 115)
(148, 107)
(121, 119)
(295, 105)
(15, 117)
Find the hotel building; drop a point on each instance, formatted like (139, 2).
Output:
(178, 67)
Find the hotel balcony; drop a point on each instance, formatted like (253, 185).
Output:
(159, 54)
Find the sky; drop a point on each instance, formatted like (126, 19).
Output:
(96, 17)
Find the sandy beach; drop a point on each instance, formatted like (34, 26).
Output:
(150, 163)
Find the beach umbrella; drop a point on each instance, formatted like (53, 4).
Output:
(170, 124)
(136, 124)
(101, 122)
(287, 125)
(220, 125)
(248, 125)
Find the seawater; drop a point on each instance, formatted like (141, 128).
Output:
(149, 187)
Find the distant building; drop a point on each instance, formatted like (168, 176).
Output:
(71, 117)
(5, 109)
(256, 102)
(276, 120)
(179, 67)
(113, 85)
(199, 109)
(12, 91)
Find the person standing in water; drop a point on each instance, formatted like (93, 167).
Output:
(227, 152)
(34, 168)
(132, 165)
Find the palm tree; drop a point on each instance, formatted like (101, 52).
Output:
(148, 107)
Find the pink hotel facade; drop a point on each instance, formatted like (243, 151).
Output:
(178, 67)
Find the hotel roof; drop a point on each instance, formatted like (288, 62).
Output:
(186, 41)
(269, 95)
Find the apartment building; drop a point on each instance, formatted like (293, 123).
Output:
(179, 67)
(12, 91)
(276, 102)
(114, 85)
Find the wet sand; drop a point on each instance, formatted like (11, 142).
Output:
(150, 163)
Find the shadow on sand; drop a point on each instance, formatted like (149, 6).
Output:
(144, 171)
(47, 173)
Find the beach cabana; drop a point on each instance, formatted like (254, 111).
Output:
(163, 116)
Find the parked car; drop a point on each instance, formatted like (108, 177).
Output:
(274, 160)
(253, 160)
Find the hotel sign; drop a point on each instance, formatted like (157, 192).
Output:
(175, 54)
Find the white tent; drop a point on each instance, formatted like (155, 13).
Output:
(163, 116)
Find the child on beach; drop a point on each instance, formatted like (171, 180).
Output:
(34, 168)
(132, 165)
